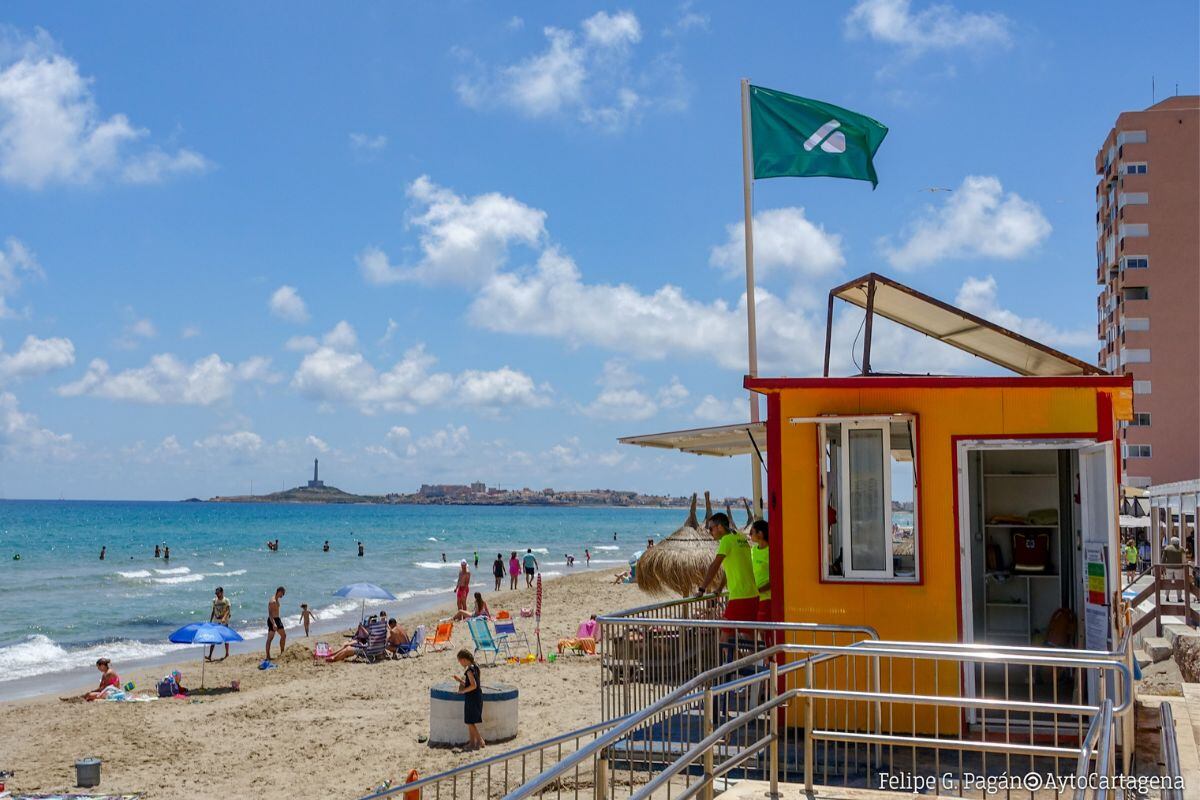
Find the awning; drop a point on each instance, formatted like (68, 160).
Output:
(957, 328)
(1134, 522)
(723, 440)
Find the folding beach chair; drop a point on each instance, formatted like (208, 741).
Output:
(507, 634)
(376, 645)
(321, 652)
(441, 636)
(413, 648)
(481, 635)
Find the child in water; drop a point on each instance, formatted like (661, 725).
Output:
(469, 685)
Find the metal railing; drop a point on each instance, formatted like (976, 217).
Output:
(856, 731)
(651, 650)
(1168, 750)
(1097, 745)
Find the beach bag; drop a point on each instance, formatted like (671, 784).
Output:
(526, 612)
(167, 687)
(1060, 631)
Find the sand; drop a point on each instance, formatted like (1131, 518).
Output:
(304, 730)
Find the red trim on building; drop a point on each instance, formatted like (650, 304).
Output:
(1104, 417)
(932, 382)
(775, 503)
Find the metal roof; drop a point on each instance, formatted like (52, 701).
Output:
(962, 329)
(722, 440)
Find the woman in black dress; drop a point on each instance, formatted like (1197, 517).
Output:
(469, 685)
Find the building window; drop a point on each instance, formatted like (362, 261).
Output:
(1136, 293)
(869, 496)
(1136, 169)
(1140, 420)
(1137, 450)
(1131, 137)
(1137, 323)
(1141, 387)
(1135, 262)
(1135, 355)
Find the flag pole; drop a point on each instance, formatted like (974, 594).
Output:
(751, 328)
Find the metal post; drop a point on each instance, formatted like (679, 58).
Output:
(773, 730)
(866, 364)
(601, 788)
(751, 326)
(808, 731)
(828, 333)
(709, 779)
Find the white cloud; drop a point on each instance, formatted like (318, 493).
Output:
(399, 433)
(366, 143)
(189, 332)
(51, 130)
(447, 441)
(462, 240)
(166, 380)
(978, 220)
(785, 241)
(336, 373)
(36, 357)
(286, 303)
(711, 409)
(978, 295)
(688, 20)
(939, 27)
(22, 434)
(238, 447)
(389, 332)
(619, 399)
(591, 73)
(301, 344)
(316, 443)
(135, 331)
(16, 264)
(515, 23)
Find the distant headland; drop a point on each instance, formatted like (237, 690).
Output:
(473, 494)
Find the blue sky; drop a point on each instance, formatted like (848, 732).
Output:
(442, 242)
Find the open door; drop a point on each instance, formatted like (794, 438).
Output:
(1101, 572)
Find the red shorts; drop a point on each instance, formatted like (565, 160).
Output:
(742, 610)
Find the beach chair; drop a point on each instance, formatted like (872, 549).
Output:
(321, 652)
(375, 647)
(415, 643)
(586, 640)
(485, 643)
(441, 636)
(507, 634)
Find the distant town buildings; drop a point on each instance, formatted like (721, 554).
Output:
(1148, 268)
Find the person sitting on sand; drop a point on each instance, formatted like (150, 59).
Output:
(481, 610)
(620, 577)
(275, 623)
(108, 677)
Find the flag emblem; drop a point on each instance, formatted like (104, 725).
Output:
(829, 137)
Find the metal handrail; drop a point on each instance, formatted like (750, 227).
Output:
(1101, 731)
(499, 758)
(625, 615)
(1170, 752)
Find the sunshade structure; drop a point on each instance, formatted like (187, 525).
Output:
(722, 440)
(364, 592)
(946, 323)
(678, 563)
(204, 633)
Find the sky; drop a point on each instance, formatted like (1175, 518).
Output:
(458, 241)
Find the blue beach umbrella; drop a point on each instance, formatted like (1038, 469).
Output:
(203, 633)
(364, 592)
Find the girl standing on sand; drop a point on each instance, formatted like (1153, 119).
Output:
(469, 685)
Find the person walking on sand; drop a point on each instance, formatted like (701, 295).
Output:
(469, 686)
(306, 617)
(587, 557)
(221, 610)
(514, 570)
(463, 586)
(498, 570)
(275, 623)
(531, 566)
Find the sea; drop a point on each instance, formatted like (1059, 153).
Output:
(61, 607)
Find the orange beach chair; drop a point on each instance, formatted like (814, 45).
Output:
(441, 636)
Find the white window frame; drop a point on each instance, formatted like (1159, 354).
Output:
(882, 423)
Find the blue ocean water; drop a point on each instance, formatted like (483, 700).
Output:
(61, 607)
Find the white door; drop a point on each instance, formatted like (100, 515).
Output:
(1101, 553)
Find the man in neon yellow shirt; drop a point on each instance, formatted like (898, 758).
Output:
(733, 556)
(760, 560)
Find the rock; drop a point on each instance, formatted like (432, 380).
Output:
(1158, 648)
(422, 739)
(1187, 656)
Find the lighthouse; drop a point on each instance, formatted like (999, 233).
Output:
(316, 483)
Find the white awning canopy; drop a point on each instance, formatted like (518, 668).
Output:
(722, 440)
(957, 328)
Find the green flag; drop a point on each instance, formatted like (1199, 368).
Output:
(805, 138)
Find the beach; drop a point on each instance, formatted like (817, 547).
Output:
(306, 730)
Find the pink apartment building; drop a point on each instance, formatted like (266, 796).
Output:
(1148, 268)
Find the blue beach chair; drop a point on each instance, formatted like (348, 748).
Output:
(415, 643)
(376, 645)
(506, 632)
(481, 635)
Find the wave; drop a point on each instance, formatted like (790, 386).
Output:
(541, 550)
(137, 573)
(173, 571)
(192, 578)
(225, 574)
(432, 539)
(606, 547)
(218, 563)
(40, 654)
(436, 564)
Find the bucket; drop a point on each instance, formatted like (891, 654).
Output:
(87, 772)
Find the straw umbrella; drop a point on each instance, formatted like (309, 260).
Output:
(678, 563)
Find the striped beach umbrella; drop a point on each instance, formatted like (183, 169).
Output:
(537, 630)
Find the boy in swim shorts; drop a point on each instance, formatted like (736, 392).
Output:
(275, 623)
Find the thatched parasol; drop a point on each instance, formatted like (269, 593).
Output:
(749, 517)
(678, 563)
